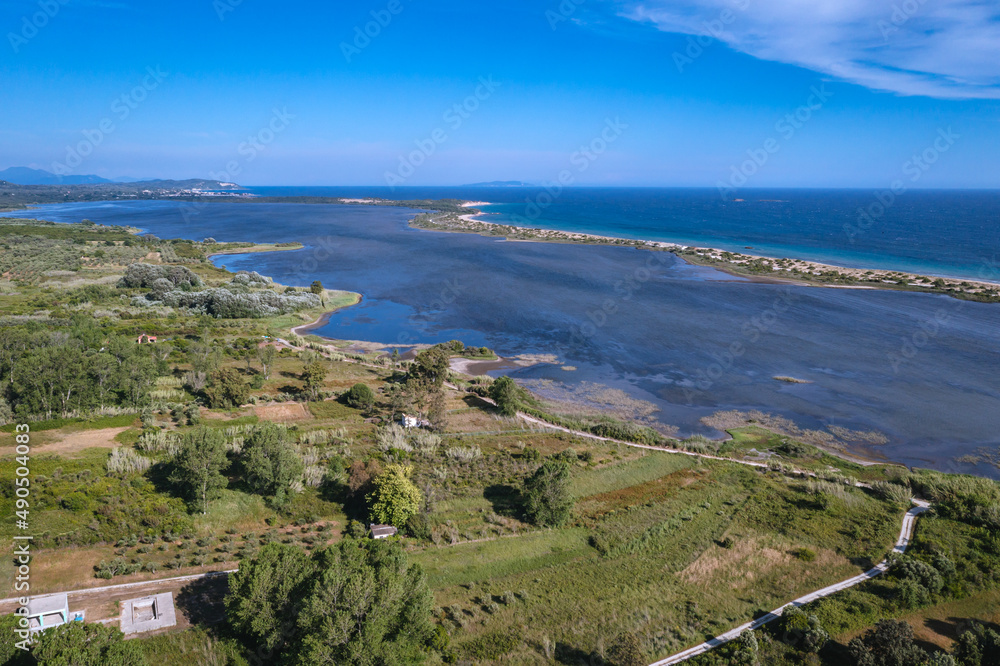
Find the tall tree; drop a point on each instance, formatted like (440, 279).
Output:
(227, 389)
(265, 595)
(889, 643)
(506, 393)
(199, 465)
(547, 500)
(313, 375)
(430, 368)
(395, 497)
(367, 607)
(270, 463)
(266, 354)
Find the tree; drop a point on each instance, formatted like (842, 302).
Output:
(626, 651)
(366, 607)
(546, 494)
(265, 594)
(799, 629)
(360, 396)
(227, 389)
(395, 498)
(266, 354)
(86, 644)
(313, 375)
(270, 463)
(199, 464)
(437, 412)
(506, 393)
(889, 643)
(317, 288)
(979, 646)
(429, 369)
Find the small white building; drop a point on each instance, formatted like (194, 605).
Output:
(382, 531)
(48, 611)
(409, 421)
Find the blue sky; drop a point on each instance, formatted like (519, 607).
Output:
(700, 91)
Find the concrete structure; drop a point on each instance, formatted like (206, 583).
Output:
(148, 613)
(413, 422)
(48, 611)
(382, 531)
(144, 338)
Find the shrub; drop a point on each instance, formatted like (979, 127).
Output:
(126, 461)
(805, 554)
(141, 275)
(360, 396)
(492, 646)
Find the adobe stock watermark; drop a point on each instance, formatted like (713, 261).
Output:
(121, 108)
(711, 31)
(926, 331)
(562, 12)
(751, 332)
(901, 13)
(363, 35)
(248, 150)
(223, 7)
(624, 289)
(32, 23)
(914, 168)
(255, 144)
(786, 127)
(454, 117)
(581, 160)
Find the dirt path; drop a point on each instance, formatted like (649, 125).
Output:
(905, 534)
(75, 442)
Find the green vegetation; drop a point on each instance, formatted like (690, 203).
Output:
(394, 499)
(211, 447)
(357, 602)
(547, 500)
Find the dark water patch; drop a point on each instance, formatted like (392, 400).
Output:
(920, 368)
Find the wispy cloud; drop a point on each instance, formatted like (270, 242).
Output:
(938, 48)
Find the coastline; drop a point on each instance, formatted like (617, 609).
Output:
(756, 268)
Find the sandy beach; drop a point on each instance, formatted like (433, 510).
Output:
(755, 267)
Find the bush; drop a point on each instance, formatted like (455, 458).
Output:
(492, 646)
(145, 275)
(360, 396)
(805, 554)
(547, 500)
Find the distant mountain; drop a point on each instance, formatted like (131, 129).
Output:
(496, 183)
(26, 176)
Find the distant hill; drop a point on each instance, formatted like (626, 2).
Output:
(501, 183)
(26, 176)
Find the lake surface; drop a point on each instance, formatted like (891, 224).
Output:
(944, 232)
(921, 368)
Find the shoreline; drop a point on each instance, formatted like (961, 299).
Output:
(752, 267)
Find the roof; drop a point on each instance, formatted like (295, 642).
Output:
(50, 603)
(379, 531)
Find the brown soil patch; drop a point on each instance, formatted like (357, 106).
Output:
(85, 439)
(288, 411)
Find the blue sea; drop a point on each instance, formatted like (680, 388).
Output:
(690, 340)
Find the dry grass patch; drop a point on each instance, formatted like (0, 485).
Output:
(281, 412)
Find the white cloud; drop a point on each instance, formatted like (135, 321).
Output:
(938, 48)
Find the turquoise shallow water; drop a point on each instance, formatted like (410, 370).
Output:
(945, 233)
(689, 340)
